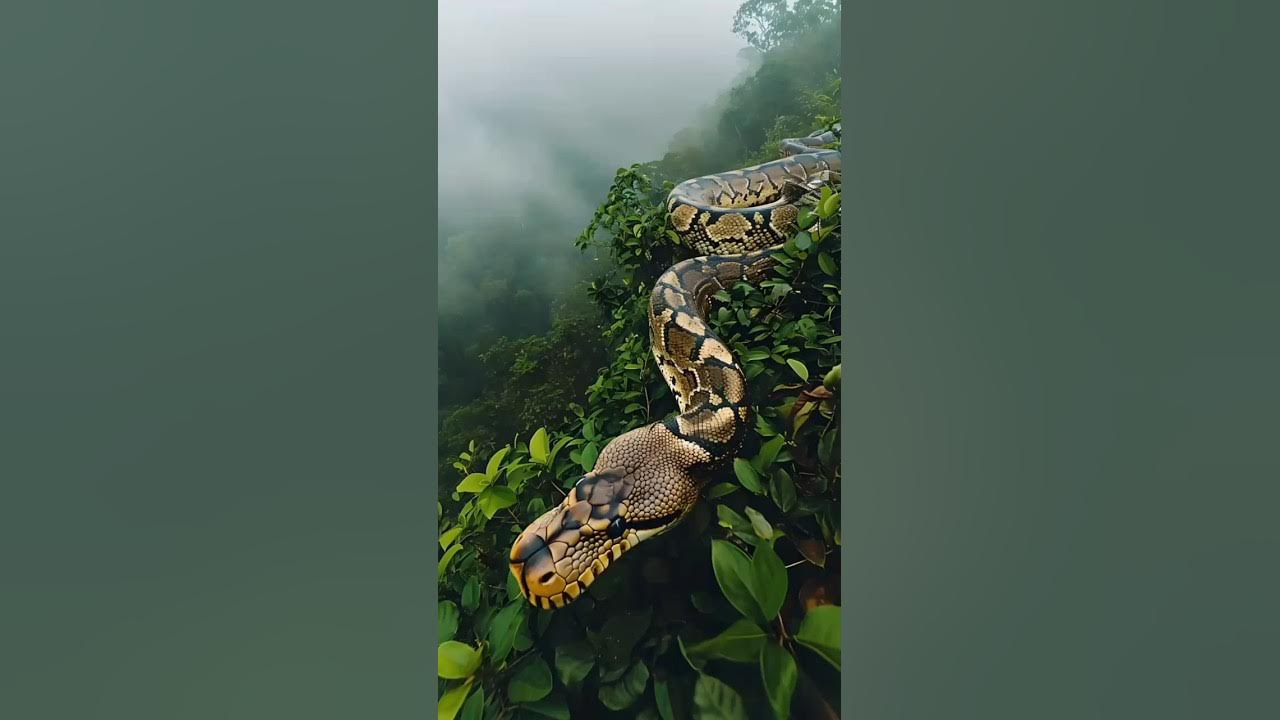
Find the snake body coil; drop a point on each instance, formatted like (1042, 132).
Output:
(646, 480)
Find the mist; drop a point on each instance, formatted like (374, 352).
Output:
(540, 103)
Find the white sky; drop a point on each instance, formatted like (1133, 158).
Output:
(614, 78)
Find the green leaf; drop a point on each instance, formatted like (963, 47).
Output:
(589, 455)
(769, 580)
(495, 463)
(473, 708)
(714, 700)
(734, 574)
(778, 670)
(820, 631)
(828, 264)
(799, 368)
(720, 490)
(555, 450)
(448, 555)
(769, 452)
(832, 379)
(471, 594)
(573, 662)
(474, 483)
(503, 628)
(783, 490)
(827, 448)
(694, 661)
(448, 536)
(538, 446)
(829, 206)
(532, 681)
(494, 499)
(457, 660)
(662, 699)
(450, 702)
(804, 240)
(622, 693)
(729, 518)
(447, 619)
(747, 475)
(759, 524)
(740, 643)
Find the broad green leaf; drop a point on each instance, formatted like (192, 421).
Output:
(589, 455)
(471, 594)
(473, 708)
(740, 643)
(827, 448)
(503, 628)
(720, 490)
(734, 573)
(747, 475)
(768, 452)
(783, 490)
(729, 518)
(448, 536)
(513, 587)
(447, 619)
(532, 681)
(494, 499)
(832, 379)
(827, 263)
(759, 524)
(820, 631)
(804, 240)
(662, 699)
(538, 446)
(457, 660)
(448, 555)
(769, 579)
(573, 662)
(714, 700)
(495, 463)
(799, 368)
(778, 670)
(830, 206)
(451, 701)
(623, 692)
(555, 450)
(474, 483)
(694, 661)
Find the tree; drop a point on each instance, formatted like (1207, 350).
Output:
(767, 23)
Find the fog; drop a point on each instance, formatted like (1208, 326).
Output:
(540, 102)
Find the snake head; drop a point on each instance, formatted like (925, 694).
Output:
(609, 511)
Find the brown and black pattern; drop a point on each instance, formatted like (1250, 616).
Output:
(646, 480)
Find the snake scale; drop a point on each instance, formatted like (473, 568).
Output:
(646, 480)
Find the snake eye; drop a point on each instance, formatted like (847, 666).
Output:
(617, 527)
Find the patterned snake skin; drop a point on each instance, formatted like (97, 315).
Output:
(646, 480)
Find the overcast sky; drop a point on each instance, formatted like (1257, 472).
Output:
(525, 85)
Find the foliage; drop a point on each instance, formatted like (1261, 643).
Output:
(767, 23)
(752, 611)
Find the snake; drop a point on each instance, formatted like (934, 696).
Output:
(646, 480)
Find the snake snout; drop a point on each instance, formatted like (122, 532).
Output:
(534, 567)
